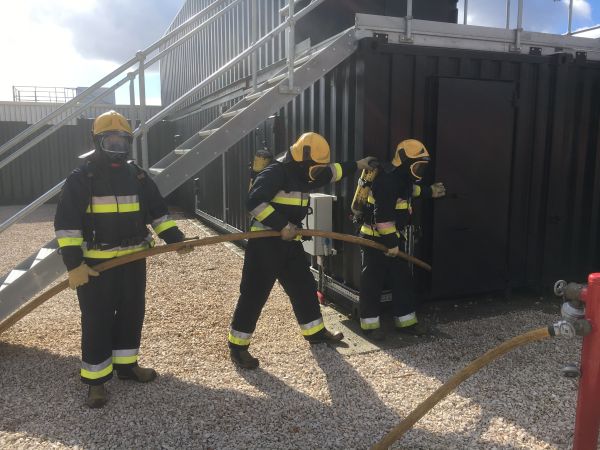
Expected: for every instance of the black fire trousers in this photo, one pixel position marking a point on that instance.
(376, 269)
(267, 260)
(112, 314)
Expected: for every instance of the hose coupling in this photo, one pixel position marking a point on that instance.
(570, 328)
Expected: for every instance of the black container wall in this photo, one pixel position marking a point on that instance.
(515, 138)
(50, 161)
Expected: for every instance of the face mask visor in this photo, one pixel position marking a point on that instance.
(116, 145)
(315, 171)
(417, 169)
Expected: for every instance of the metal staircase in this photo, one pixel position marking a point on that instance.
(267, 97)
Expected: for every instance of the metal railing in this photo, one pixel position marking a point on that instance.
(86, 98)
(38, 94)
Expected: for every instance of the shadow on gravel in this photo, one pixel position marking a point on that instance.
(41, 405)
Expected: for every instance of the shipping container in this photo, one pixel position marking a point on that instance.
(515, 138)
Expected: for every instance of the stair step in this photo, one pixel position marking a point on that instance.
(254, 96)
(230, 114)
(155, 170)
(206, 133)
(277, 78)
(181, 151)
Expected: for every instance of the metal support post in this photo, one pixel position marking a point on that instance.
(224, 187)
(254, 38)
(570, 17)
(519, 30)
(291, 45)
(409, 17)
(507, 14)
(142, 110)
(134, 149)
(587, 420)
(465, 10)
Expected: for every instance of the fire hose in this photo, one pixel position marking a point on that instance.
(40, 299)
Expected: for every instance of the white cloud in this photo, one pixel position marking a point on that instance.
(591, 33)
(581, 8)
(56, 43)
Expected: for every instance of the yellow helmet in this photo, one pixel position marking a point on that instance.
(310, 147)
(415, 154)
(111, 121)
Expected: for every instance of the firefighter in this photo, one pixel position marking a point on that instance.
(386, 213)
(102, 213)
(279, 200)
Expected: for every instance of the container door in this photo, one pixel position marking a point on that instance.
(473, 158)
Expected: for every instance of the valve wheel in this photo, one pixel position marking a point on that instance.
(559, 288)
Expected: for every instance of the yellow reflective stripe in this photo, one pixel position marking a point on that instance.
(370, 323)
(124, 359)
(238, 341)
(67, 242)
(401, 204)
(386, 227)
(265, 213)
(405, 321)
(365, 229)
(165, 226)
(337, 172)
(371, 199)
(416, 190)
(289, 201)
(260, 227)
(309, 329)
(104, 254)
(114, 207)
(95, 375)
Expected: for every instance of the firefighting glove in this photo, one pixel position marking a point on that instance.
(438, 190)
(393, 252)
(81, 275)
(289, 232)
(368, 163)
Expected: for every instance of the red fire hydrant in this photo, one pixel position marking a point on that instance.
(587, 420)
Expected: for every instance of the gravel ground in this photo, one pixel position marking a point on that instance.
(301, 397)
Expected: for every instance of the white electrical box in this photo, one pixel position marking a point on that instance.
(321, 219)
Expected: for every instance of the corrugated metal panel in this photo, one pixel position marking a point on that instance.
(214, 46)
(387, 93)
(31, 113)
(50, 161)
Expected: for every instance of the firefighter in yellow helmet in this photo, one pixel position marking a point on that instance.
(386, 213)
(102, 213)
(279, 200)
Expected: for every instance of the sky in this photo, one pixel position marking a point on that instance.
(73, 43)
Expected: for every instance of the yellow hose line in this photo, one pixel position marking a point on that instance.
(37, 301)
(441, 393)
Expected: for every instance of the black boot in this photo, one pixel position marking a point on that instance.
(137, 373)
(241, 357)
(376, 334)
(97, 396)
(324, 335)
(418, 329)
